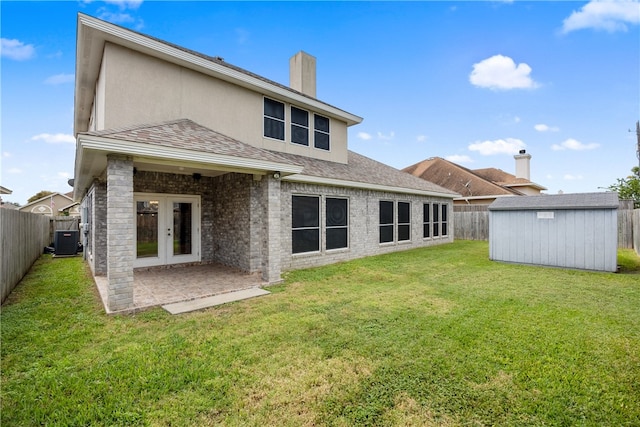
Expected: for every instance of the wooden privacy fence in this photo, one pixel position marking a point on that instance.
(23, 237)
(471, 222)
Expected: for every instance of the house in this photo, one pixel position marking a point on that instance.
(561, 230)
(52, 205)
(478, 186)
(183, 158)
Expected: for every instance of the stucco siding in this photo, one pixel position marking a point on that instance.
(140, 89)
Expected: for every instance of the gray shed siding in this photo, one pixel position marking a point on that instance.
(555, 235)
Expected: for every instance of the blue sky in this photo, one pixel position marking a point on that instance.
(473, 82)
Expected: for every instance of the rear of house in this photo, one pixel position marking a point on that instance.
(182, 158)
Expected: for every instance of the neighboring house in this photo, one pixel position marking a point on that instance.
(184, 158)
(52, 205)
(4, 190)
(478, 186)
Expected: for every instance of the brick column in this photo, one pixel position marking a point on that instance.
(120, 232)
(271, 230)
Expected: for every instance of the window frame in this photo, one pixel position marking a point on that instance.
(386, 225)
(299, 125)
(306, 228)
(426, 221)
(436, 220)
(317, 131)
(403, 224)
(266, 117)
(336, 227)
(444, 220)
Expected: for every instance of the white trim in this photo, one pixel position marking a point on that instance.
(142, 150)
(334, 182)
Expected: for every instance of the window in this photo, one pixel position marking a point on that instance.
(426, 220)
(305, 222)
(436, 221)
(299, 126)
(443, 219)
(404, 221)
(273, 119)
(321, 132)
(337, 231)
(386, 221)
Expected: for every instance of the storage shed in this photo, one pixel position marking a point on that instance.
(565, 230)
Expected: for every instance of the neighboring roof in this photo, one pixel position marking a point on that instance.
(93, 33)
(4, 190)
(506, 179)
(363, 172)
(185, 140)
(604, 200)
(48, 197)
(457, 178)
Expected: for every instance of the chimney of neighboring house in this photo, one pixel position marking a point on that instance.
(522, 165)
(302, 73)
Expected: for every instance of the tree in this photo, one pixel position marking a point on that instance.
(629, 187)
(39, 195)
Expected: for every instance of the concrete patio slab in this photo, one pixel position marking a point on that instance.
(200, 303)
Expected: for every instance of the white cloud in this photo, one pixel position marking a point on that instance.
(64, 174)
(388, 137)
(546, 128)
(605, 15)
(242, 35)
(57, 138)
(6, 154)
(363, 135)
(125, 4)
(499, 146)
(570, 177)
(14, 171)
(501, 73)
(572, 144)
(60, 79)
(421, 138)
(16, 50)
(457, 158)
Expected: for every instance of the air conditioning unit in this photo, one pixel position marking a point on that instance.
(66, 242)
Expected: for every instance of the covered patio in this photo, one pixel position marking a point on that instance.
(158, 286)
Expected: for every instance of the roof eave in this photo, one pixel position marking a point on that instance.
(96, 33)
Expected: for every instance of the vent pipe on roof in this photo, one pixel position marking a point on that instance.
(522, 165)
(302, 73)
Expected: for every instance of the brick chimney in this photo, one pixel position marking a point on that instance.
(302, 73)
(522, 165)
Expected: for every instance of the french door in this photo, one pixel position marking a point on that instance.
(167, 229)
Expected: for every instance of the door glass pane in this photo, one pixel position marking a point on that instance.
(182, 228)
(147, 228)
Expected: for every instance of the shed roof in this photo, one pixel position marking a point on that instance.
(603, 200)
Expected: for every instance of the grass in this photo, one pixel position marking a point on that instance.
(435, 336)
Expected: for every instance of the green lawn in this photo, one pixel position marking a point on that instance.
(435, 336)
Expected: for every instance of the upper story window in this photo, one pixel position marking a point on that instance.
(321, 132)
(273, 119)
(299, 126)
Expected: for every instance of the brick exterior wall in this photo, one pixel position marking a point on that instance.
(246, 220)
(363, 224)
(120, 232)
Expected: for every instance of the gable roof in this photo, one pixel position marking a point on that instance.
(506, 179)
(458, 179)
(93, 33)
(605, 200)
(184, 143)
(364, 172)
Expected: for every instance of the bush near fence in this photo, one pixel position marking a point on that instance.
(24, 235)
(471, 222)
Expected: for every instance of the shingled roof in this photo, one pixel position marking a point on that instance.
(458, 178)
(604, 200)
(360, 171)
